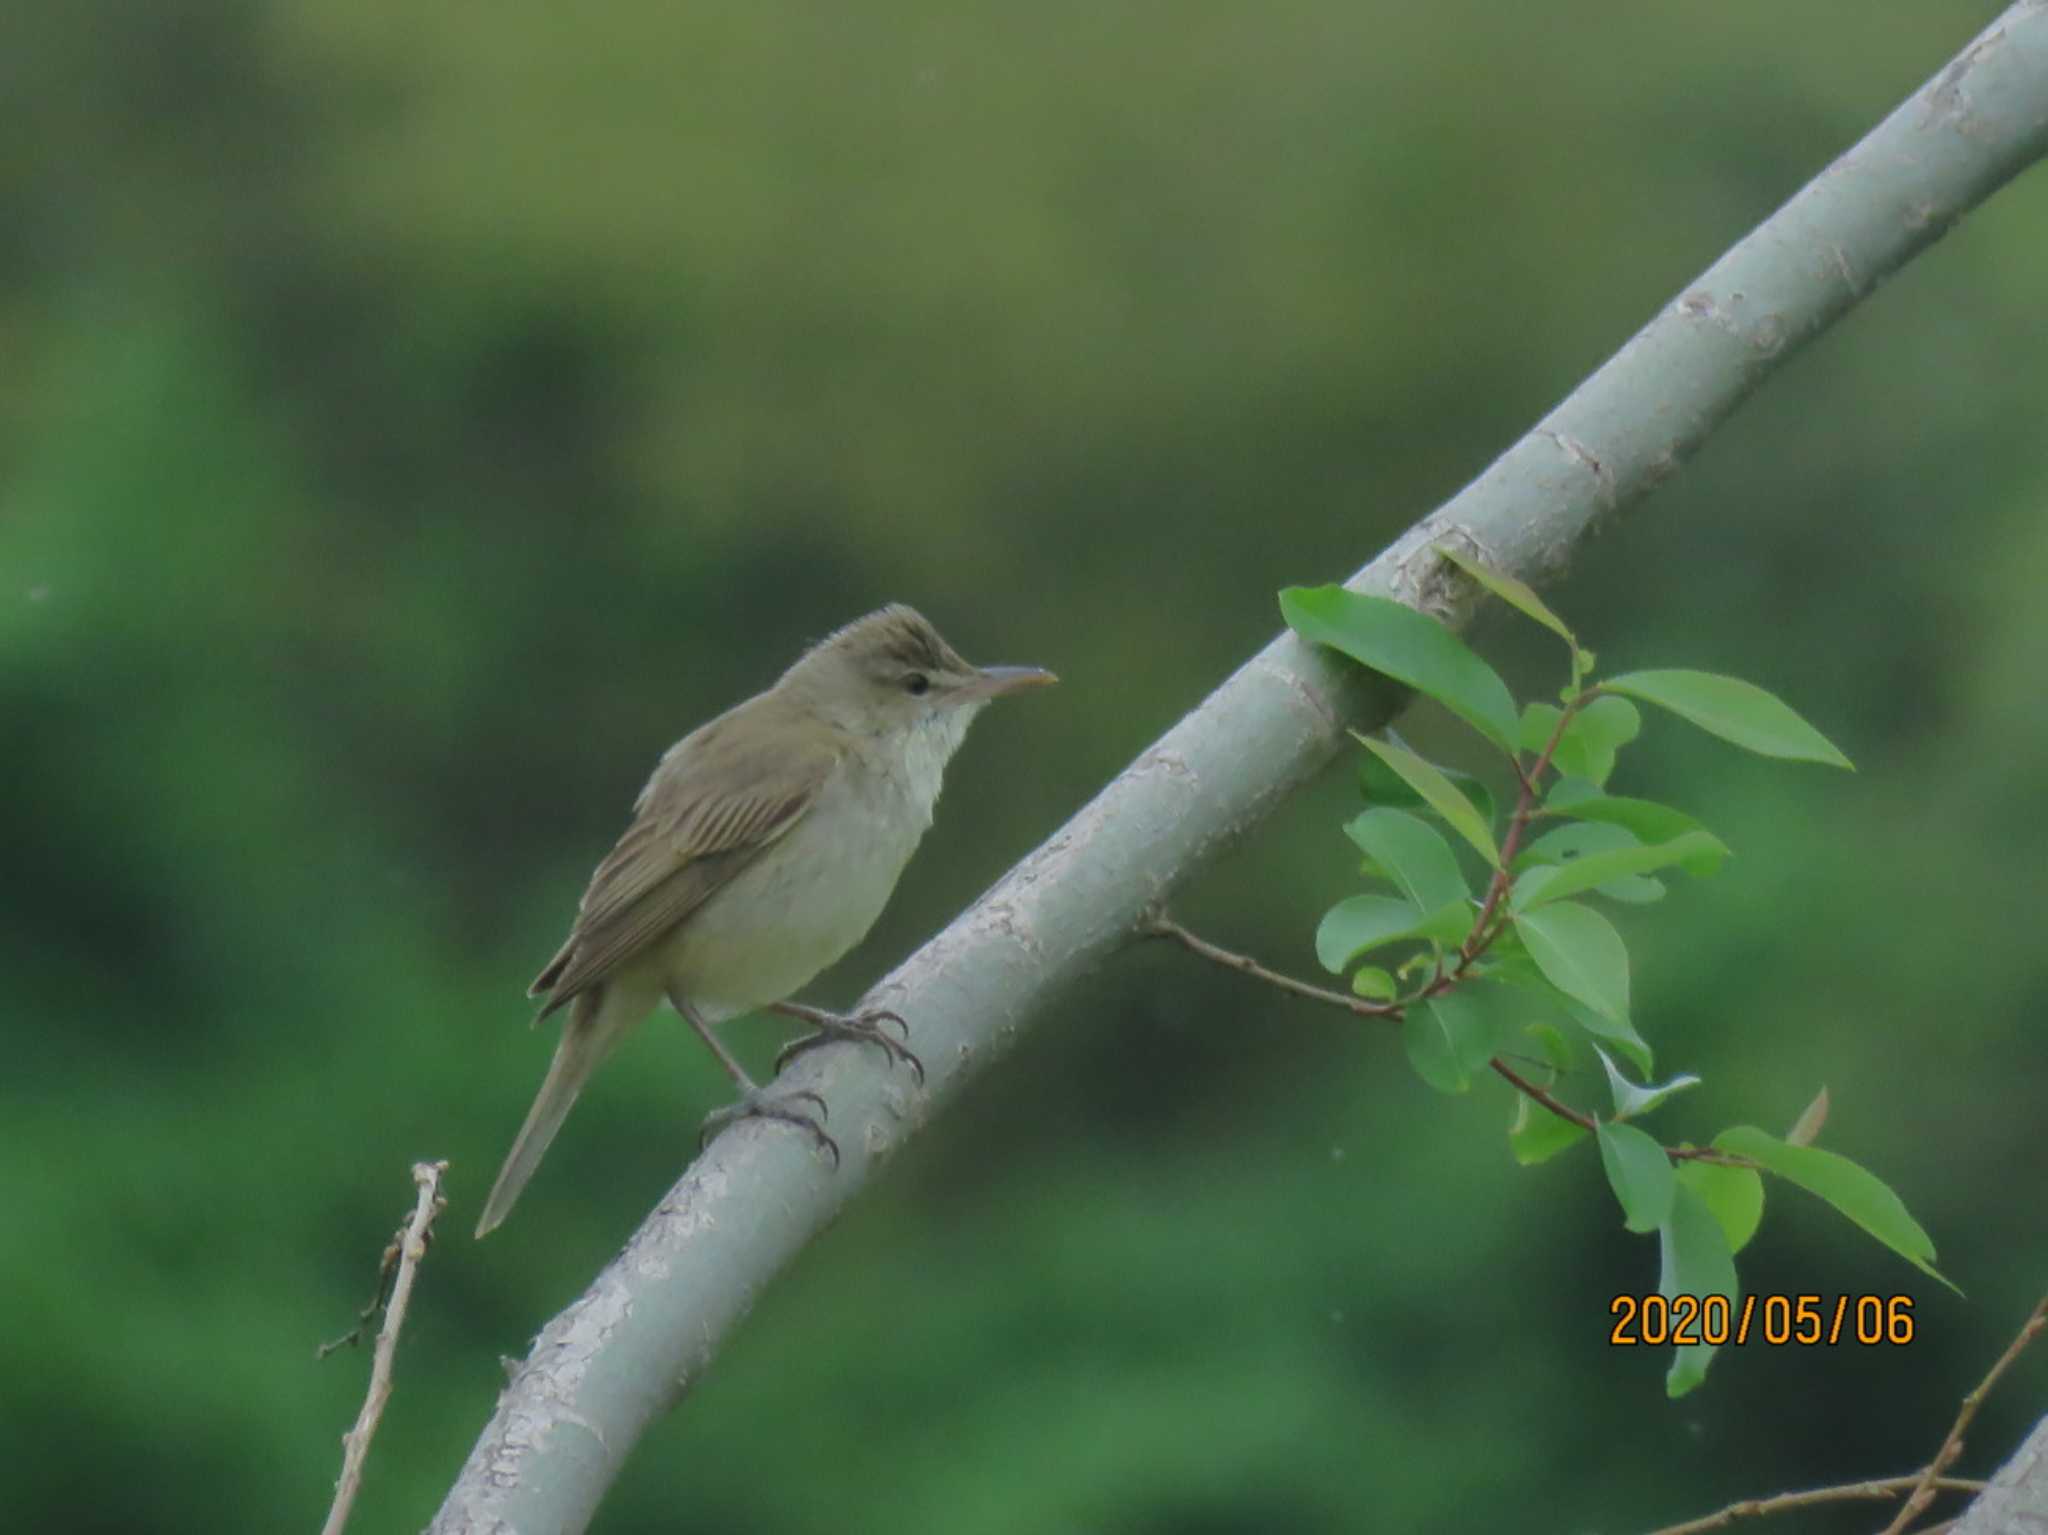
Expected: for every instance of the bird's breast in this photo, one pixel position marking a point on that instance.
(811, 896)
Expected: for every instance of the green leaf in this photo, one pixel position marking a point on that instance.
(1408, 646)
(1554, 882)
(1596, 734)
(1449, 1038)
(1734, 710)
(1374, 984)
(1632, 890)
(1360, 923)
(1695, 1261)
(1639, 1173)
(1573, 840)
(1381, 785)
(1412, 854)
(1509, 952)
(1533, 732)
(1631, 1099)
(1618, 1032)
(1450, 923)
(1521, 972)
(1587, 748)
(1536, 1135)
(1649, 821)
(1577, 838)
(1428, 780)
(1553, 1046)
(1859, 1194)
(1511, 591)
(1579, 953)
(1734, 1194)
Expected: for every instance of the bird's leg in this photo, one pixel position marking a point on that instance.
(753, 1102)
(865, 1028)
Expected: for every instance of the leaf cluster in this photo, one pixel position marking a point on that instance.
(1482, 939)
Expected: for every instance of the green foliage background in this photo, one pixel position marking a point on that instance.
(413, 418)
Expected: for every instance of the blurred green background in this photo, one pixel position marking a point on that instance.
(414, 418)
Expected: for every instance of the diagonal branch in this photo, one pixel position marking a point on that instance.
(635, 1342)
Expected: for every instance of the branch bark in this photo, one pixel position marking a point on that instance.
(2022, 1477)
(2016, 1502)
(633, 1344)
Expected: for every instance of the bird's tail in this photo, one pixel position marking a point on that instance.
(587, 1038)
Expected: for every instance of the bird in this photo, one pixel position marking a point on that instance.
(763, 847)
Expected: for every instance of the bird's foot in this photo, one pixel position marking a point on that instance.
(786, 1108)
(864, 1028)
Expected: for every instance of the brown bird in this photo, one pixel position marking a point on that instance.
(763, 848)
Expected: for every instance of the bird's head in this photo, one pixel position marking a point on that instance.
(892, 674)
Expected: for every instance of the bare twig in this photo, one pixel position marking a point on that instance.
(411, 1246)
(1787, 1502)
(387, 1272)
(1542, 1096)
(1162, 926)
(1952, 1446)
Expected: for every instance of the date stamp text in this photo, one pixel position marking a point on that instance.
(1778, 1320)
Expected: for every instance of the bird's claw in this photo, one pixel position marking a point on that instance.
(881, 1015)
(864, 1028)
(781, 1107)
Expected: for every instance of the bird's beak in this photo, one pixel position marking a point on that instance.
(994, 681)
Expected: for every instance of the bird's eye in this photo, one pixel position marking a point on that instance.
(917, 684)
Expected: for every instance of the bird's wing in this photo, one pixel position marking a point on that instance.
(685, 842)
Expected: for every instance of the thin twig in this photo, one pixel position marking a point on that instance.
(1786, 1502)
(1952, 1446)
(1477, 941)
(411, 1243)
(1162, 926)
(387, 1272)
(1543, 1098)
